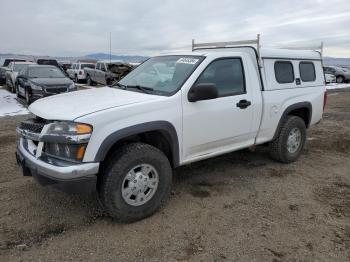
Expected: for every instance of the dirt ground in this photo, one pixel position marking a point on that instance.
(237, 207)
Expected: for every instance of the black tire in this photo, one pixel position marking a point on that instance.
(27, 97)
(17, 93)
(340, 79)
(114, 172)
(89, 81)
(13, 88)
(278, 147)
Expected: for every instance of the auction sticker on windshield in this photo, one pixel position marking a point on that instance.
(187, 60)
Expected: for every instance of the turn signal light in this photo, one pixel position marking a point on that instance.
(81, 152)
(83, 129)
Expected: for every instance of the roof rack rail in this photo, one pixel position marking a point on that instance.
(198, 46)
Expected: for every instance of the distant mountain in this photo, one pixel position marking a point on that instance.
(336, 61)
(127, 58)
(97, 56)
(135, 58)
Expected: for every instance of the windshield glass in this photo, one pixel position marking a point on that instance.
(19, 67)
(164, 75)
(87, 66)
(45, 72)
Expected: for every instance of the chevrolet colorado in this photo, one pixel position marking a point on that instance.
(124, 140)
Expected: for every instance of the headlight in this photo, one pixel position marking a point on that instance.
(67, 140)
(68, 128)
(35, 86)
(66, 152)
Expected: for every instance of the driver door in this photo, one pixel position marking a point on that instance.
(220, 125)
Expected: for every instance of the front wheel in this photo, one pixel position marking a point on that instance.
(28, 100)
(135, 182)
(288, 145)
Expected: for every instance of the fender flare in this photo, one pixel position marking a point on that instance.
(289, 109)
(165, 127)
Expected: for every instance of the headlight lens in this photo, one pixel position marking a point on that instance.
(35, 87)
(67, 140)
(66, 152)
(69, 128)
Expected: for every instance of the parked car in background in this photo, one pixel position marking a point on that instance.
(11, 74)
(42, 61)
(330, 78)
(65, 66)
(4, 68)
(77, 71)
(106, 72)
(37, 81)
(342, 75)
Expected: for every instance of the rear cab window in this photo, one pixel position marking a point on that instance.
(307, 71)
(284, 72)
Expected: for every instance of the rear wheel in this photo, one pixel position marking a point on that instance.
(340, 79)
(290, 141)
(135, 182)
(17, 92)
(89, 81)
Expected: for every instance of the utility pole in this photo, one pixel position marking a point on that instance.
(110, 47)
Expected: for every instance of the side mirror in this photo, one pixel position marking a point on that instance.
(203, 91)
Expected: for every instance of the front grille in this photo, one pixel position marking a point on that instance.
(34, 125)
(56, 90)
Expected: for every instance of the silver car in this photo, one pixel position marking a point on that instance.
(342, 75)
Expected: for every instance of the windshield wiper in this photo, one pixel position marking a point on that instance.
(118, 84)
(144, 89)
(141, 88)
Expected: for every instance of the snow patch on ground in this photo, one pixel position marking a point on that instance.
(338, 86)
(9, 106)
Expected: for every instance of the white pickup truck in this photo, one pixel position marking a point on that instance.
(123, 141)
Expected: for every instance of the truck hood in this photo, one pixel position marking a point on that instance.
(69, 106)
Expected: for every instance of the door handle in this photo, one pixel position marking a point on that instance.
(243, 104)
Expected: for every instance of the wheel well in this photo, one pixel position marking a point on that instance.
(157, 139)
(303, 113)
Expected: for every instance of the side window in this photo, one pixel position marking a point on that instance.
(98, 66)
(103, 67)
(227, 74)
(307, 71)
(284, 72)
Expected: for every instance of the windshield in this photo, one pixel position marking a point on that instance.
(87, 66)
(163, 75)
(45, 72)
(19, 67)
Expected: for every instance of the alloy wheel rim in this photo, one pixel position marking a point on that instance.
(140, 184)
(294, 140)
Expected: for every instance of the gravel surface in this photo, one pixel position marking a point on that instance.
(237, 207)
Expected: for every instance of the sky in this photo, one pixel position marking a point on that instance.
(149, 27)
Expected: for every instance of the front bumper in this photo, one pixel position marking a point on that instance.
(65, 176)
